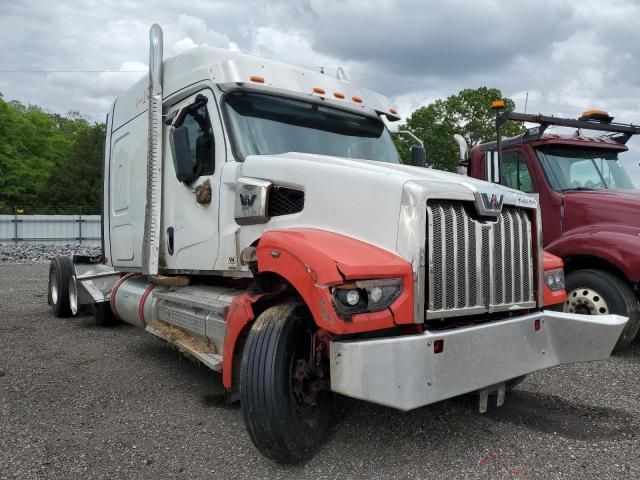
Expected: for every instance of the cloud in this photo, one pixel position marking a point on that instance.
(565, 55)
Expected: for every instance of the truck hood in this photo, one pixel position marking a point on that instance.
(610, 202)
(359, 198)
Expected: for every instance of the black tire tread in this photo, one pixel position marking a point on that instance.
(576, 279)
(263, 411)
(63, 272)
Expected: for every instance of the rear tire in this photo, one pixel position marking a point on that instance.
(60, 273)
(103, 315)
(596, 292)
(282, 425)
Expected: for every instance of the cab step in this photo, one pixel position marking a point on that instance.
(186, 343)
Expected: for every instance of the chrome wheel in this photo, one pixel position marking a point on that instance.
(53, 287)
(585, 301)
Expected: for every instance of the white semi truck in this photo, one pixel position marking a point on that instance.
(258, 217)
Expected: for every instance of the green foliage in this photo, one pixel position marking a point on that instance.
(47, 159)
(468, 113)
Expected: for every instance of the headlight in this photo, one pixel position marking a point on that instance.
(366, 296)
(554, 279)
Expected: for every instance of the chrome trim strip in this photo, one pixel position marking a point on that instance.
(540, 280)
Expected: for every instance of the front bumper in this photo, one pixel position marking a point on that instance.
(405, 372)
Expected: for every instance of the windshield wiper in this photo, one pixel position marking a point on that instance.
(580, 189)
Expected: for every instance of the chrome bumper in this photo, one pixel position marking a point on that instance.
(405, 372)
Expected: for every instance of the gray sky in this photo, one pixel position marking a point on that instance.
(568, 55)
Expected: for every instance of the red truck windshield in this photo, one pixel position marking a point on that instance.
(568, 168)
(267, 124)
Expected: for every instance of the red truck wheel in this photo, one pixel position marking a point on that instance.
(285, 412)
(60, 272)
(596, 292)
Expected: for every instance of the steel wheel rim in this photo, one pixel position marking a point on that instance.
(585, 301)
(53, 287)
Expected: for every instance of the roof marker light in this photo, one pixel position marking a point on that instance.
(318, 90)
(356, 99)
(338, 95)
(497, 104)
(393, 111)
(256, 78)
(596, 115)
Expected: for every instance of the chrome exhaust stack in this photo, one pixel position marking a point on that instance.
(464, 154)
(151, 239)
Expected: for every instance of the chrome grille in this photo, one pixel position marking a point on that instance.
(477, 265)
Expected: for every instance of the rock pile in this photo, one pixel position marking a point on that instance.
(23, 252)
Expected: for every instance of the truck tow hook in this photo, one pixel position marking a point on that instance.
(499, 389)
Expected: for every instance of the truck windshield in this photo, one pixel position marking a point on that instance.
(265, 124)
(568, 168)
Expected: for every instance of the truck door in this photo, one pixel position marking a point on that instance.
(190, 207)
(520, 170)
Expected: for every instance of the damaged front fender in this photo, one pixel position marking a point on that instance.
(313, 261)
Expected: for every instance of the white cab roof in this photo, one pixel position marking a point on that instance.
(231, 69)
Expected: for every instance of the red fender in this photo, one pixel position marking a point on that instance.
(615, 244)
(312, 261)
(239, 315)
(551, 262)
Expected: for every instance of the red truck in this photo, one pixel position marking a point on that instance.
(590, 207)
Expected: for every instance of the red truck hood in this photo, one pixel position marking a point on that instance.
(619, 200)
(601, 206)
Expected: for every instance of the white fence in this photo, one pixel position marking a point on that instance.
(51, 229)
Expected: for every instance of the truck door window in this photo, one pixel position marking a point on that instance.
(515, 172)
(201, 139)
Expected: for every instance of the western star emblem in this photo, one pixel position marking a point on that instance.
(247, 199)
(493, 201)
(489, 203)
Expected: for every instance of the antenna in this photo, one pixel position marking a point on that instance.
(340, 75)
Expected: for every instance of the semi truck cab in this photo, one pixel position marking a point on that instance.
(257, 216)
(590, 206)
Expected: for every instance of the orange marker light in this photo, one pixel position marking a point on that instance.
(356, 99)
(256, 78)
(393, 111)
(497, 104)
(338, 95)
(318, 90)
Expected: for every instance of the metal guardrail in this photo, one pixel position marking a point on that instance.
(50, 228)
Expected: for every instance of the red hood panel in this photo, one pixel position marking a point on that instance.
(602, 206)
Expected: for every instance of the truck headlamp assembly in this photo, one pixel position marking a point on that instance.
(365, 296)
(554, 279)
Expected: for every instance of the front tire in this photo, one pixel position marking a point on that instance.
(60, 272)
(282, 421)
(596, 292)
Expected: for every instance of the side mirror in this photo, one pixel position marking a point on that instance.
(183, 161)
(418, 156)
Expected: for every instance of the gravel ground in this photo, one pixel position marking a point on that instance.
(22, 252)
(79, 401)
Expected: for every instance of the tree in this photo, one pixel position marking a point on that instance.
(76, 180)
(468, 113)
(48, 160)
